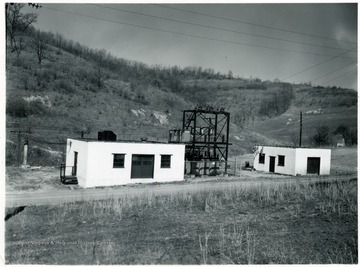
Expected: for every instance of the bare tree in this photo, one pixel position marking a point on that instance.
(17, 26)
(99, 76)
(322, 136)
(39, 44)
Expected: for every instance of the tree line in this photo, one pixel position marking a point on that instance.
(324, 137)
(21, 35)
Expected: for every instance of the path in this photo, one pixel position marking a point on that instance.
(27, 198)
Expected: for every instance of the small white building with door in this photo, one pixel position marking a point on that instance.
(108, 163)
(292, 161)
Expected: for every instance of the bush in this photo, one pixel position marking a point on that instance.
(18, 107)
(140, 98)
(35, 107)
(64, 86)
(350, 137)
(41, 157)
(353, 137)
(11, 154)
(322, 136)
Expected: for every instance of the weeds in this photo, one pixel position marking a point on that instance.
(237, 244)
(204, 248)
(229, 225)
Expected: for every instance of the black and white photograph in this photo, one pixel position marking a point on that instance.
(179, 133)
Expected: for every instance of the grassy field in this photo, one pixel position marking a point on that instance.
(287, 125)
(266, 224)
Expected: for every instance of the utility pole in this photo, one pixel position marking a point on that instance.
(300, 137)
(81, 134)
(19, 143)
(26, 145)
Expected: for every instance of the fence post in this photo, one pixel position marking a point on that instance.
(235, 167)
(240, 169)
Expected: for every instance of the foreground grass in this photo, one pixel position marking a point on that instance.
(277, 224)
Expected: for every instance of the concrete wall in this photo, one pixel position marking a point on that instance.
(290, 158)
(304, 153)
(100, 171)
(295, 159)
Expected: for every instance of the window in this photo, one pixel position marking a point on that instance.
(281, 160)
(119, 160)
(262, 158)
(165, 161)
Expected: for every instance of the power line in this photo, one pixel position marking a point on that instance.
(337, 56)
(45, 142)
(254, 24)
(217, 28)
(18, 125)
(190, 35)
(334, 71)
(338, 77)
(243, 146)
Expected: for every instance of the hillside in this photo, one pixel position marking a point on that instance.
(77, 89)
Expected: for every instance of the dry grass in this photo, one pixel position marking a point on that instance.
(272, 223)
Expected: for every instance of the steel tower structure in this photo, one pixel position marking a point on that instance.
(205, 131)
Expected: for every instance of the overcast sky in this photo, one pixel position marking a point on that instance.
(243, 38)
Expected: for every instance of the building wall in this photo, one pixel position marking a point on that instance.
(304, 153)
(100, 171)
(82, 149)
(295, 159)
(290, 158)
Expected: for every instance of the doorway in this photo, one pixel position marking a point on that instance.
(142, 166)
(272, 164)
(74, 170)
(313, 166)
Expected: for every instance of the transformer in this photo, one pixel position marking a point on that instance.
(205, 131)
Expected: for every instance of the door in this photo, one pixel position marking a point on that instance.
(142, 166)
(74, 171)
(313, 166)
(272, 164)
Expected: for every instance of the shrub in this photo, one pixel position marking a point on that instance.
(41, 157)
(140, 98)
(64, 86)
(322, 136)
(35, 107)
(350, 137)
(25, 81)
(353, 137)
(16, 107)
(11, 154)
(156, 83)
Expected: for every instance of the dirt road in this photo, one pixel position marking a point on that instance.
(26, 198)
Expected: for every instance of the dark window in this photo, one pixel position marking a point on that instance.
(165, 161)
(119, 160)
(281, 160)
(262, 158)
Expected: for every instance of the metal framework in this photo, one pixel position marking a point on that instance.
(205, 132)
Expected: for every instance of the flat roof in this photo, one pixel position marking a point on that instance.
(294, 147)
(124, 141)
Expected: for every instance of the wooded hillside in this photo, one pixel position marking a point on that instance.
(58, 88)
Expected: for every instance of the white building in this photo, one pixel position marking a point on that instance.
(293, 161)
(107, 163)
